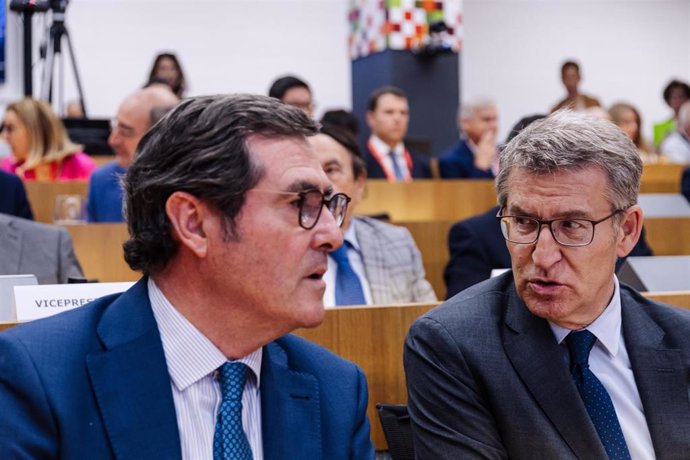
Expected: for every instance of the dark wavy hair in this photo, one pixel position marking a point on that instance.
(200, 147)
(343, 137)
(180, 85)
(377, 93)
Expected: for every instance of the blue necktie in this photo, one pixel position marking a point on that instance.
(348, 288)
(396, 167)
(229, 440)
(594, 395)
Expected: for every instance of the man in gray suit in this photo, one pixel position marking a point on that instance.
(556, 359)
(27, 247)
(383, 261)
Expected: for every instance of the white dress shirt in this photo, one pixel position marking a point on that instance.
(609, 361)
(192, 363)
(354, 255)
(384, 152)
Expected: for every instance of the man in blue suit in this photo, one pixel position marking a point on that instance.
(13, 199)
(556, 358)
(225, 207)
(475, 154)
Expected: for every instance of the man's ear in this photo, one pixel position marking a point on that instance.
(630, 229)
(187, 215)
(370, 119)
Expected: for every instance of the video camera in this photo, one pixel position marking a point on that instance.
(38, 6)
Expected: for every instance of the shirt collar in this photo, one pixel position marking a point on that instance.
(350, 236)
(383, 149)
(606, 328)
(190, 355)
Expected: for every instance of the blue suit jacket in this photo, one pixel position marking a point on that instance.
(93, 383)
(13, 197)
(421, 168)
(458, 163)
(477, 246)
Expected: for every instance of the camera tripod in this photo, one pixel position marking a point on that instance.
(54, 52)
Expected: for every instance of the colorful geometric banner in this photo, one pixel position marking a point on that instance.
(377, 25)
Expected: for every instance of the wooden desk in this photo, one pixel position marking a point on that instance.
(661, 178)
(424, 200)
(42, 195)
(373, 338)
(434, 199)
(455, 199)
(99, 250)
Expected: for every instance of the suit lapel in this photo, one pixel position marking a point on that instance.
(11, 239)
(290, 413)
(543, 366)
(372, 257)
(131, 381)
(661, 380)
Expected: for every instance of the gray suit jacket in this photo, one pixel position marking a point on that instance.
(392, 263)
(486, 379)
(28, 247)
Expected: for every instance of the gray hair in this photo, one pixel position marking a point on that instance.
(200, 147)
(568, 141)
(472, 106)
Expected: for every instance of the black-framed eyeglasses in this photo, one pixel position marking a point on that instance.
(566, 232)
(310, 204)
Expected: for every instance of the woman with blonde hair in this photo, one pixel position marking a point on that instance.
(41, 149)
(628, 119)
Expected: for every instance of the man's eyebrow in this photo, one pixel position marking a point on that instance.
(333, 162)
(304, 186)
(516, 210)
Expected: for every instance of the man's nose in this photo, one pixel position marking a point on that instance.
(546, 250)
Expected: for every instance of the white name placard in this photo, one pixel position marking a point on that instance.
(35, 302)
(498, 271)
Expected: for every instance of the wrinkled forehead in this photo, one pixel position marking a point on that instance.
(288, 163)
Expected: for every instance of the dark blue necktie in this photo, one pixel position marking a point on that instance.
(396, 167)
(348, 288)
(594, 395)
(229, 439)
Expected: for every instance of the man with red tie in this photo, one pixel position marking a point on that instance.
(386, 155)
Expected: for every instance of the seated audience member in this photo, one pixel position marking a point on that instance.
(231, 219)
(574, 99)
(477, 246)
(627, 118)
(167, 69)
(343, 119)
(555, 359)
(41, 149)
(386, 156)
(28, 247)
(13, 199)
(137, 113)
(476, 152)
(676, 146)
(378, 263)
(293, 91)
(675, 94)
